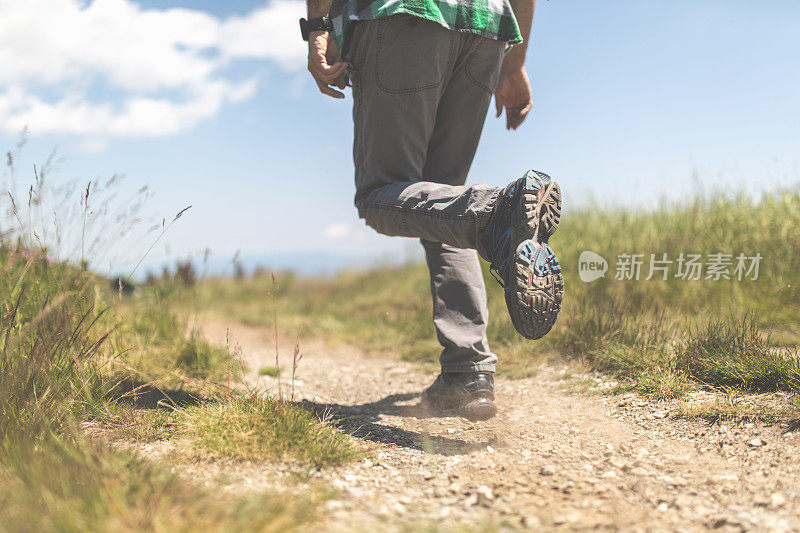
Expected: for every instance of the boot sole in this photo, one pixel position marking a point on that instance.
(476, 410)
(534, 299)
(479, 409)
(542, 206)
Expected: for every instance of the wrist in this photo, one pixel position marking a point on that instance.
(514, 60)
(512, 68)
(314, 26)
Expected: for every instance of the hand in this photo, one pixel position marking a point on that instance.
(514, 93)
(324, 63)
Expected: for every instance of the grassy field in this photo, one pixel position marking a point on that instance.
(81, 363)
(72, 355)
(665, 335)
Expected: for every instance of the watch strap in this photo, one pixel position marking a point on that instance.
(314, 24)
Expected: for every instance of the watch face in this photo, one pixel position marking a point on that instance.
(304, 29)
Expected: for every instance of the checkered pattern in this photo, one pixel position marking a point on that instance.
(490, 18)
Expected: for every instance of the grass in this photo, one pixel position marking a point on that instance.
(149, 319)
(141, 426)
(732, 407)
(372, 307)
(198, 356)
(60, 366)
(73, 351)
(724, 353)
(256, 428)
(51, 347)
(249, 427)
(64, 486)
(736, 353)
(649, 371)
(272, 371)
(666, 336)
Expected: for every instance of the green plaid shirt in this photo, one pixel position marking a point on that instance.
(490, 18)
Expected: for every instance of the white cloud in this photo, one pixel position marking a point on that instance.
(270, 32)
(338, 230)
(158, 71)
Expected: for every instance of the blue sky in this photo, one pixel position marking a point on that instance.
(210, 105)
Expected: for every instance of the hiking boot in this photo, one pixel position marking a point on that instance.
(526, 214)
(466, 394)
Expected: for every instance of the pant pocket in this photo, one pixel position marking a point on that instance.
(413, 54)
(483, 67)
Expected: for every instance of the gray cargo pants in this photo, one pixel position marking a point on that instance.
(421, 93)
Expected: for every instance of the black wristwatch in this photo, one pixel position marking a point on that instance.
(315, 24)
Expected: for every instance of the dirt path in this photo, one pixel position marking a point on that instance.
(551, 459)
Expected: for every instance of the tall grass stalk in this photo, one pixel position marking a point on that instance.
(297, 356)
(164, 228)
(275, 332)
(85, 201)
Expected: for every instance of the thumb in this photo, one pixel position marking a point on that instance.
(498, 106)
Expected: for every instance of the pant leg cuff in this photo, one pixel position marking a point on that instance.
(468, 367)
(481, 244)
(486, 213)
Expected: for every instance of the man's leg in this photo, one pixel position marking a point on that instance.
(424, 124)
(457, 287)
(402, 68)
(459, 308)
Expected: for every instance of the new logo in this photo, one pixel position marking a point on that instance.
(591, 266)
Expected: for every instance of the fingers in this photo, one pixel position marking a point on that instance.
(516, 116)
(514, 94)
(330, 91)
(516, 110)
(339, 82)
(319, 68)
(326, 75)
(324, 64)
(513, 119)
(521, 116)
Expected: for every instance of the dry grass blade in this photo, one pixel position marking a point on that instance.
(158, 238)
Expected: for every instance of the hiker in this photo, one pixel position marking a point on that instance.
(423, 75)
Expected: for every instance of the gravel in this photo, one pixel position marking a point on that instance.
(551, 459)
